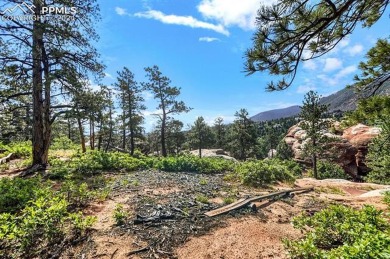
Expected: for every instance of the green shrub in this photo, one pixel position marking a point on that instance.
(378, 157)
(77, 194)
(189, 163)
(16, 193)
(120, 215)
(342, 232)
(42, 222)
(18, 149)
(202, 199)
(386, 198)
(380, 169)
(97, 161)
(327, 170)
(62, 143)
(263, 172)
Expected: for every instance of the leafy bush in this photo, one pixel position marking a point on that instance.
(259, 173)
(378, 157)
(327, 170)
(284, 151)
(386, 198)
(16, 193)
(342, 232)
(18, 149)
(39, 219)
(96, 161)
(62, 143)
(77, 194)
(189, 163)
(120, 215)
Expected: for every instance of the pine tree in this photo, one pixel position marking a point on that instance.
(312, 115)
(166, 95)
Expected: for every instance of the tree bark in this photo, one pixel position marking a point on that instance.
(163, 147)
(314, 158)
(110, 133)
(81, 131)
(38, 136)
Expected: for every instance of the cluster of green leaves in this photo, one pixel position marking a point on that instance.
(190, 163)
(33, 218)
(18, 149)
(120, 215)
(378, 157)
(386, 198)
(62, 143)
(329, 170)
(16, 193)
(369, 111)
(260, 173)
(342, 232)
(96, 161)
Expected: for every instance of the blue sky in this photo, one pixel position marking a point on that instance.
(200, 46)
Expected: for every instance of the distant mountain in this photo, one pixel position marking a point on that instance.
(343, 100)
(277, 114)
(346, 99)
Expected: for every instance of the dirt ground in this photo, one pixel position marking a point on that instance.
(166, 218)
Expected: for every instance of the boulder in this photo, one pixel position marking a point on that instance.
(213, 153)
(348, 147)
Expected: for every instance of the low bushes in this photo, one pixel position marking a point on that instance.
(342, 232)
(35, 219)
(193, 164)
(16, 193)
(96, 161)
(260, 173)
(18, 149)
(328, 170)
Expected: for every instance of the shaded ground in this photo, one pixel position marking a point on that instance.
(166, 217)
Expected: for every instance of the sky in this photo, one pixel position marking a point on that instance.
(200, 46)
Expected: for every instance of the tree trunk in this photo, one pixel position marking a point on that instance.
(69, 129)
(110, 133)
(81, 131)
(100, 138)
(163, 147)
(124, 129)
(314, 158)
(92, 134)
(38, 132)
(131, 126)
(200, 151)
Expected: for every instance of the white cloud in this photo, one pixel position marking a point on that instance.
(346, 71)
(208, 39)
(302, 89)
(182, 20)
(354, 50)
(310, 64)
(147, 95)
(108, 75)
(232, 12)
(344, 42)
(329, 81)
(332, 64)
(120, 11)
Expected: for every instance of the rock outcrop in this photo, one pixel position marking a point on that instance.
(213, 153)
(348, 147)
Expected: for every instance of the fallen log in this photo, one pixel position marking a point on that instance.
(138, 251)
(246, 201)
(6, 159)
